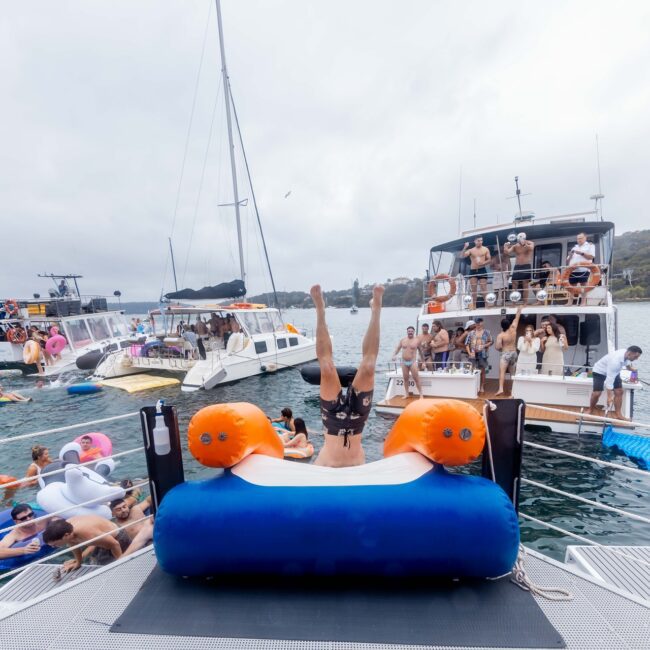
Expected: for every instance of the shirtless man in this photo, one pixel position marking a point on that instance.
(345, 415)
(23, 516)
(479, 260)
(506, 343)
(128, 510)
(426, 360)
(409, 347)
(522, 274)
(83, 528)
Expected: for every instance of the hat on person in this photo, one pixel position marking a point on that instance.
(478, 320)
(469, 324)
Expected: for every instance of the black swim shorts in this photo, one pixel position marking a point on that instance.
(522, 273)
(479, 273)
(599, 382)
(579, 276)
(346, 415)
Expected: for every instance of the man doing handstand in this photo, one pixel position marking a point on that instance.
(345, 415)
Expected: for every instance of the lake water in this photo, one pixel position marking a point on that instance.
(53, 407)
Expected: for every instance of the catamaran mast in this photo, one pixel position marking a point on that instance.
(226, 93)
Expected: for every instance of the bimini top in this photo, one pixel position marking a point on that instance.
(234, 289)
(533, 231)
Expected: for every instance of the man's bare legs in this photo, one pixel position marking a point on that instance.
(364, 380)
(330, 384)
(483, 286)
(473, 282)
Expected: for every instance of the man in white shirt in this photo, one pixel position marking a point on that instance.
(606, 374)
(582, 253)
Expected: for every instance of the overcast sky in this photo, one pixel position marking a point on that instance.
(365, 111)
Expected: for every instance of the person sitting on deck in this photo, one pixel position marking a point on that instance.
(506, 345)
(409, 347)
(22, 513)
(606, 374)
(83, 528)
(344, 416)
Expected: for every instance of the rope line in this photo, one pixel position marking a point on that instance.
(604, 463)
(521, 579)
(56, 513)
(596, 504)
(71, 548)
(81, 425)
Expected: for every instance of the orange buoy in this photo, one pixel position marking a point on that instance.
(449, 432)
(433, 288)
(222, 435)
(5, 478)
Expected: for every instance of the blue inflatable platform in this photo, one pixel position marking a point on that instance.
(633, 446)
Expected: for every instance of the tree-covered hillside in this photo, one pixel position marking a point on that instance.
(632, 251)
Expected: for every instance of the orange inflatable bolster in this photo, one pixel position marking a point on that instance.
(449, 432)
(222, 435)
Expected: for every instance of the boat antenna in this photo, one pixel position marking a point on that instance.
(460, 190)
(600, 196)
(257, 214)
(518, 195)
(227, 97)
(171, 251)
(474, 213)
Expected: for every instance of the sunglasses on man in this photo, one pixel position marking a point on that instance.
(29, 515)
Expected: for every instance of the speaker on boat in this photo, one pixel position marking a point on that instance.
(590, 330)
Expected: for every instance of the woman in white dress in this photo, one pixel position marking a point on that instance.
(528, 346)
(553, 346)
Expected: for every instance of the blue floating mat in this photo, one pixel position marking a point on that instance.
(633, 446)
(83, 389)
(400, 516)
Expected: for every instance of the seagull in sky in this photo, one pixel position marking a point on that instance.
(287, 194)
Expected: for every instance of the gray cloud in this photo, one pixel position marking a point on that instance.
(365, 111)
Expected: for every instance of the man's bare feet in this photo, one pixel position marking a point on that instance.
(377, 296)
(316, 294)
(421, 396)
(619, 416)
(594, 412)
(499, 392)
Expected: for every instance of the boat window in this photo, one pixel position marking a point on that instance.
(548, 253)
(78, 333)
(98, 329)
(260, 346)
(249, 320)
(571, 326)
(276, 320)
(265, 323)
(117, 326)
(282, 343)
(293, 341)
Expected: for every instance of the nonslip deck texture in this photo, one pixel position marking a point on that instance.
(493, 614)
(532, 412)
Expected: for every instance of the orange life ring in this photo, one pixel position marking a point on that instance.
(16, 335)
(433, 287)
(594, 278)
(11, 307)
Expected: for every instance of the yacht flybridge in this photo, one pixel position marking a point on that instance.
(64, 332)
(587, 314)
(212, 344)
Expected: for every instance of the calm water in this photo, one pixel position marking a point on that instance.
(53, 407)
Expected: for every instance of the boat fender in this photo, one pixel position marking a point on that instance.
(90, 360)
(311, 374)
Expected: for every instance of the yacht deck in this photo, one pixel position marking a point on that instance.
(79, 615)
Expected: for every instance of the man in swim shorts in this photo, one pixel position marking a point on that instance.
(479, 260)
(409, 347)
(506, 343)
(344, 416)
(522, 274)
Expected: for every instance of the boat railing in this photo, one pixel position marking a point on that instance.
(525, 515)
(549, 286)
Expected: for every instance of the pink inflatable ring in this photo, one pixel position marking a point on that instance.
(55, 344)
(101, 446)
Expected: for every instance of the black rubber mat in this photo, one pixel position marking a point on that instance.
(469, 613)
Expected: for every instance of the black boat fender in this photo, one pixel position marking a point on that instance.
(311, 374)
(90, 360)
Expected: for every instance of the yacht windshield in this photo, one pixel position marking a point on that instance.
(250, 322)
(99, 329)
(117, 326)
(78, 334)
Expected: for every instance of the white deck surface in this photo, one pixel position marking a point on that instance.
(79, 615)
